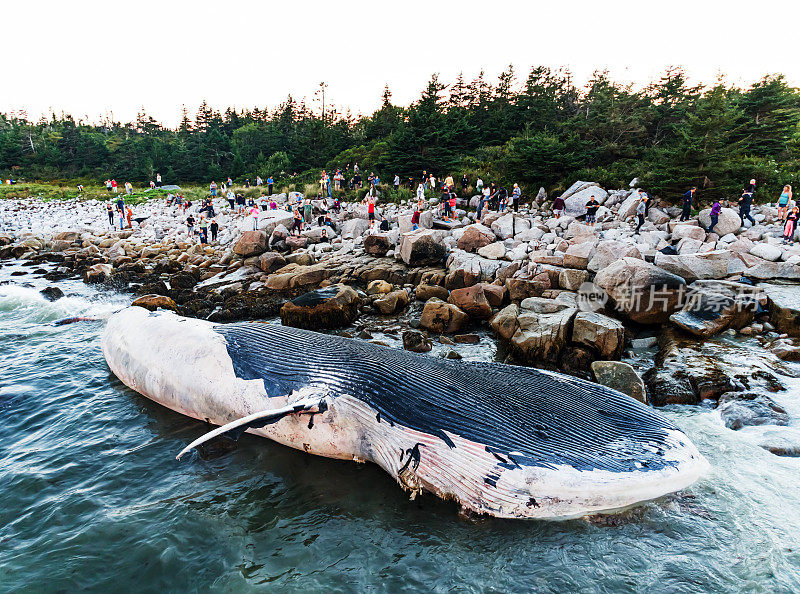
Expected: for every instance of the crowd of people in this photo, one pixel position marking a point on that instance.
(491, 197)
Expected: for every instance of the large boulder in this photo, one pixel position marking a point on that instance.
(251, 243)
(578, 255)
(729, 221)
(493, 251)
(354, 228)
(271, 261)
(609, 251)
(509, 225)
(621, 377)
(685, 373)
(377, 244)
(504, 323)
(767, 251)
(686, 230)
(717, 264)
(520, 288)
(422, 247)
(424, 292)
(438, 316)
(269, 220)
(627, 208)
(392, 302)
(154, 302)
(575, 204)
(644, 293)
(97, 273)
(543, 328)
(475, 237)
(472, 301)
(714, 306)
(784, 307)
(743, 409)
(329, 307)
(602, 333)
(425, 221)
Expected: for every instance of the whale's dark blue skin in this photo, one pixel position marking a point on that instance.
(509, 441)
(524, 416)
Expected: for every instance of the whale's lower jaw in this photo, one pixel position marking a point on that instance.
(184, 364)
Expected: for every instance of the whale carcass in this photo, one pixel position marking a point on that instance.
(508, 441)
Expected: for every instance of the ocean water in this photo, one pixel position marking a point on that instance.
(93, 498)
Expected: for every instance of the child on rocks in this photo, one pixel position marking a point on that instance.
(791, 225)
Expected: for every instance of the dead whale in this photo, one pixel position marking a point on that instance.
(502, 440)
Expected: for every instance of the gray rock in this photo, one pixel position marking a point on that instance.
(621, 377)
(742, 409)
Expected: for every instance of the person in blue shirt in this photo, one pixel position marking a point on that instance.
(686, 213)
(269, 185)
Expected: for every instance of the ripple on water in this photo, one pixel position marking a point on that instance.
(93, 497)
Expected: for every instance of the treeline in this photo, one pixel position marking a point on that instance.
(544, 131)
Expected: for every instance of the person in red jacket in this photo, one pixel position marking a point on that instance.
(415, 220)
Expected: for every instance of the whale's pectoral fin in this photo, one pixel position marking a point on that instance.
(257, 420)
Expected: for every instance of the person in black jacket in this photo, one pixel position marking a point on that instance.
(687, 204)
(745, 202)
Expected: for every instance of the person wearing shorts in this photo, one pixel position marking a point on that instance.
(783, 202)
(591, 211)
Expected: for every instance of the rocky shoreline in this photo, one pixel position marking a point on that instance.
(555, 292)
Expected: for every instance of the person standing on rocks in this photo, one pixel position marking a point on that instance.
(270, 182)
(479, 186)
(783, 202)
(190, 226)
(308, 212)
(641, 209)
(558, 206)
(452, 201)
(213, 188)
(790, 225)
(231, 198)
(415, 220)
(464, 184)
(128, 216)
(686, 213)
(445, 201)
(110, 212)
(716, 209)
(254, 212)
(128, 188)
(591, 211)
(515, 196)
(297, 223)
(420, 195)
(203, 230)
(370, 201)
(158, 180)
(214, 227)
(745, 202)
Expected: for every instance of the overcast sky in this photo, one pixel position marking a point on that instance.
(89, 58)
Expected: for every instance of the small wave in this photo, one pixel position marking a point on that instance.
(26, 304)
